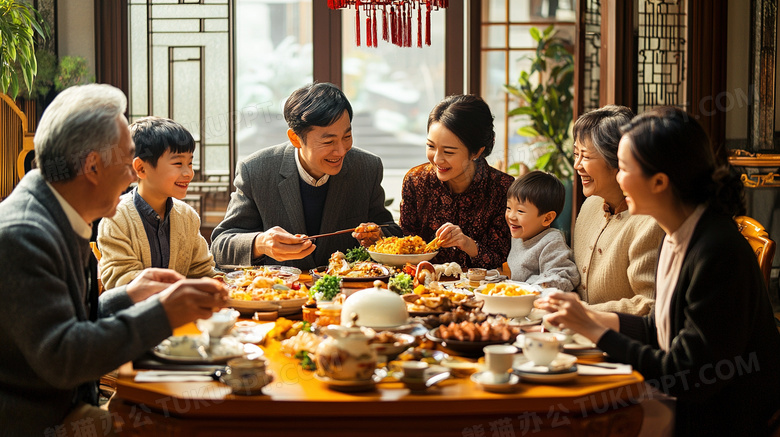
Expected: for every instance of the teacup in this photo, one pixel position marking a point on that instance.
(498, 359)
(246, 376)
(219, 324)
(414, 369)
(477, 274)
(542, 347)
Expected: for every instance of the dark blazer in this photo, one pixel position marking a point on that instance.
(723, 364)
(268, 194)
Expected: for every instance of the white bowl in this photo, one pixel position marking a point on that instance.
(375, 308)
(510, 306)
(400, 260)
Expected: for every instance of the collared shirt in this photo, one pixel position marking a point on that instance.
(309, 179)
(158, 229)
(77, 222)
(670, 262)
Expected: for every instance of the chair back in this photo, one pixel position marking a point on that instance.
(759, 240)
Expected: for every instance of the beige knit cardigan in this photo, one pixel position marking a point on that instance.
(616, 258)
(125, 250)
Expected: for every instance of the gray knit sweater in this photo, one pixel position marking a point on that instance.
(545, 260)
(50, 349)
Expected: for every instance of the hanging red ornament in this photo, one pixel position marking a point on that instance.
(357, 22)
(373, 26)
(385, 36)
(398, 28)
(369, 34)
(392, 25)
(428, 23)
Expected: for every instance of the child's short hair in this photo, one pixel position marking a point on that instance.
(542, 189)
(154, 135)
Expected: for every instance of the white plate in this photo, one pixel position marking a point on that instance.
(284, 307)
(188, 356)
(402, 259)
(347, 385)
(543, 374)
(506, 387)
(578, 345)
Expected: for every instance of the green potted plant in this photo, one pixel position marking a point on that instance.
(19, 23)
(548, 105)
(72, 71)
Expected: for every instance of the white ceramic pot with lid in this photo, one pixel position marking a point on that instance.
(375, 307)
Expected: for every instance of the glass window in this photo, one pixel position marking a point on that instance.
(273, 58)
(505, 44)
(392, 91)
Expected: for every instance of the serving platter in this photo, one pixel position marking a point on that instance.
(189, 355)
(347, 385)
(465, 348)
(398, 260)
(283, 307)
(320, 271)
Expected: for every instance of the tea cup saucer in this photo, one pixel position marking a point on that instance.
(486, 381)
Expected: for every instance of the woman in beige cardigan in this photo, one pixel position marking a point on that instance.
(615, 251)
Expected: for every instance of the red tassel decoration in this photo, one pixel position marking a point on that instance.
(357, 22)
(373, 27)
(384, 25)
(428, 23)
(419, 26)
(409, 28)
(369, 34)
(392, 25)
(402, 27)
(404, 33)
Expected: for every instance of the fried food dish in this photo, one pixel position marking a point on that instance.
(457, 315)
(400, 246)
(254, 285)
(485, 331)
(339, 266)
(506, 289)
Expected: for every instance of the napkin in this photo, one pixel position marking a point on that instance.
(602, 369)
(172, 376)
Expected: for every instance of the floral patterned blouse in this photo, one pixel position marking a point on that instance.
(427, 203)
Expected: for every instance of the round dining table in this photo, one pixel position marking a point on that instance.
(298, 404)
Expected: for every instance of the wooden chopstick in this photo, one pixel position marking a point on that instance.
(345, 231)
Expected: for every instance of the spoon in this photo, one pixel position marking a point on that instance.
(435, 379)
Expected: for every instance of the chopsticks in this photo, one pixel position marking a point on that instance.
(602, 365)
(345, 231)
(433, 245)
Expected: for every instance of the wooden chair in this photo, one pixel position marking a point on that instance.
(759, 240)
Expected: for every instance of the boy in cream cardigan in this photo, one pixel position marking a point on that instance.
(152, 226)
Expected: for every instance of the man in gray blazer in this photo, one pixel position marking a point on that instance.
(56, 335)
(316, 183)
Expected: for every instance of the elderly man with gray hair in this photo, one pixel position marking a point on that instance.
(56, 335)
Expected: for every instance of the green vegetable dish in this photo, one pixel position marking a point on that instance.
(401, 283)
(326, 288)
(357, 254)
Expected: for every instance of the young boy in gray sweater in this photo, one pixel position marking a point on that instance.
(539, 253)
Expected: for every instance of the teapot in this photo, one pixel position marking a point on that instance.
(345, 353)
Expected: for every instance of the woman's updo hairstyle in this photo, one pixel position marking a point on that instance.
(668, 140)
(469, 118)
(602, 127)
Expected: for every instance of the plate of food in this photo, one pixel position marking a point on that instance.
(398, 251)
(359, 272)
(469, 338)
(266, 288)
(195, 349)
(244, 275)
(434, 299)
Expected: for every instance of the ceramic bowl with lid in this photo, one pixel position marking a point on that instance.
(375, 308)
